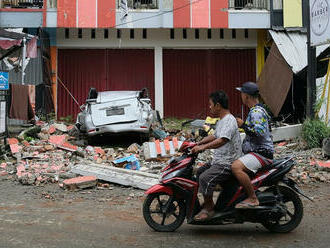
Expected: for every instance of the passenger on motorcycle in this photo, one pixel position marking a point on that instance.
(258, 144)
(226, 143)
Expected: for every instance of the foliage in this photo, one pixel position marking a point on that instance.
(174, 123)
(67, 119)
(314, 131)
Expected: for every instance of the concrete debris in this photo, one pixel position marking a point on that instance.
(133, 148)
(61, 127)
(121, 176)
(54, 156)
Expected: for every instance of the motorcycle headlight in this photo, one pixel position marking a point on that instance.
(171, 175)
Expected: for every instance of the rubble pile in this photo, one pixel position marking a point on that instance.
(311, 165)
(48, 153)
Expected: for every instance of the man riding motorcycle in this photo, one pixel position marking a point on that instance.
(226, 142)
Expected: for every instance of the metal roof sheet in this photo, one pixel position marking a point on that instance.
(293, 47)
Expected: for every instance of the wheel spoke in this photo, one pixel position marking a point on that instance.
(175, 215)
(155, 211)
(163, 220)
(290, 214)
(159, 201)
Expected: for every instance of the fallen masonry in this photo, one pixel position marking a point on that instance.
(48, 154)
(80, 182)
(137, 179)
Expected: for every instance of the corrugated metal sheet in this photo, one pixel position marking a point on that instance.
(112, 69)
(191, 75)
(293, 48)
(33, 72)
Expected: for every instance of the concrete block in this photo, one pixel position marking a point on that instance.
(137, 179)
(284, 133)
(152, 150)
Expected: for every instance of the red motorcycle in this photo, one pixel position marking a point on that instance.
(175, 197)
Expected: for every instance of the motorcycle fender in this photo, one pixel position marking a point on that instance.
(159, 188)
(293, 185)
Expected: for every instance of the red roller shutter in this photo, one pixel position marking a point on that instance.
(79, 70)
(112, 69)
(190, 75)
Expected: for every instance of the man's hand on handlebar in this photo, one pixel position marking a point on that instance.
(197, 149)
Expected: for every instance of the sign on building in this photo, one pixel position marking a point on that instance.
(4, 80)
(319, 22)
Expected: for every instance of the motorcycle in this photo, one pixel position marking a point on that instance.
(175, 198)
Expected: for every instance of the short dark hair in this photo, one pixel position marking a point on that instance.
(219, 97)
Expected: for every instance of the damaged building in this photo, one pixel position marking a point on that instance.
(180, 51)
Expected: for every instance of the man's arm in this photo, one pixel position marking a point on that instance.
(216, 143)
(256, 126)
(206, 139)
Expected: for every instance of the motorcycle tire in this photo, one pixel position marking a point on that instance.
(288, 195)
(163, 227)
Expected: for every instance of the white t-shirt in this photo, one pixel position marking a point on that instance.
(232, 150)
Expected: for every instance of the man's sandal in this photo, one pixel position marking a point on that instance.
(204, 215)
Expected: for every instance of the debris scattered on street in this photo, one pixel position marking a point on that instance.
(47, 153)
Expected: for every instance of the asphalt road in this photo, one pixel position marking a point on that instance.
(51, 217)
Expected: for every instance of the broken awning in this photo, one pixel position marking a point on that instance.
(275, 80)
(293, 48)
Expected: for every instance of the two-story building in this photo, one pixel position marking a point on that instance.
(180, 49)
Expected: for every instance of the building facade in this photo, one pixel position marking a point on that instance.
(180, 49)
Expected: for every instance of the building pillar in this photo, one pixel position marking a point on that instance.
(53, 56)
(159, 96)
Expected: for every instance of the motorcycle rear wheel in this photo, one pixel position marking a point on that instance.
(163, 213)
(295, 214)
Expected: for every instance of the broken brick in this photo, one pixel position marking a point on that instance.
(99, 150)
(133, 148)
(282, 143)
(12, 141)
(69, 147)
(15, 148)
(70, 127)
(3, 165)
(3, 173)
(57, 139)
(51, 130)
(80, 182)
(26, 143)
(48, 147)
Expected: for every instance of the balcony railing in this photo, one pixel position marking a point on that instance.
(34, 4)
(249, 4)
(141, 4)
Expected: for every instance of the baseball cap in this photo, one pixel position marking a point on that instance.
(249, 88)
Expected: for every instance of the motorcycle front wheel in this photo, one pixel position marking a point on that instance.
(164, 213)
(292, 207)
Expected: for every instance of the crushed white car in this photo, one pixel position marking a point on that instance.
(116, 112)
